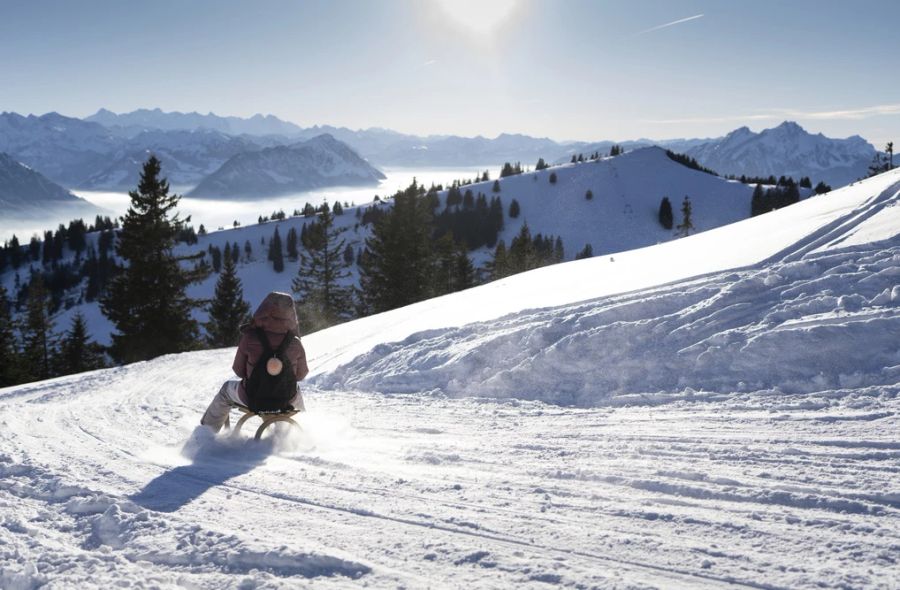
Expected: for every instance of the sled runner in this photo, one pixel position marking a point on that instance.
(268, 417)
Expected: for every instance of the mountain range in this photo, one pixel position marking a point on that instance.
(785, 150)
(104, 151)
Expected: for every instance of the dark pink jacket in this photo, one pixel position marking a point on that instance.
(277, 316)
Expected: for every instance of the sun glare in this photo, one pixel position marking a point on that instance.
(478, 16)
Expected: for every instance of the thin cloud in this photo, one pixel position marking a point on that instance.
(840, 115)
(671, 24)
(424, 65)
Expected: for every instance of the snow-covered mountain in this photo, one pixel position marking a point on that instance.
(319, 162)
(187, 156)
(27, 193)
(141, 120)
(85, 154)
(787, 150)
(64, 149)
(715, 411)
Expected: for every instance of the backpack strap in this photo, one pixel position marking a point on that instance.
(264, 340)
(285, 342)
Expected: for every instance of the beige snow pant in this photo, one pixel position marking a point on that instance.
(217, 413)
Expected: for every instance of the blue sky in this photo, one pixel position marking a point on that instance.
(567, 69)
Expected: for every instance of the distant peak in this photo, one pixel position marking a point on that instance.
(324, 137)
(741, 131)
(790, 127)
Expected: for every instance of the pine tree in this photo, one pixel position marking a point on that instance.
(396, 267)
(322, 298)
(276, 255)
(445, 265)
(9, 355)
(77, 353)
(541, 164)
(514, 209)
(496, 187)
(34, 249)
(15, 252)
(292, 251)
(465, 270)
(216, 256)
(758, 201)
(586, 252)
(879, 164)
(686, 226)
(499, 264)
(666, 218)
(228, 310)
(36, 332)
(147, 301)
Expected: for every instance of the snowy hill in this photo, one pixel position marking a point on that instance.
(712, 412)
(27, 193)
(319, 162)
(787, 150)
(622, 212)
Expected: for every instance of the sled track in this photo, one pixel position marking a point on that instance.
(568, 496)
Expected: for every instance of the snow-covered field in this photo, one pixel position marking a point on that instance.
(716, 411)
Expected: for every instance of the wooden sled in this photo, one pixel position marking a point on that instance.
(268, 418)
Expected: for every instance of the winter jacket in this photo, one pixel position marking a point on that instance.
(277, 316)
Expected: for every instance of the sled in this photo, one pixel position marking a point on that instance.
(268, 417)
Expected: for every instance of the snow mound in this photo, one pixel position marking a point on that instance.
(827, 321)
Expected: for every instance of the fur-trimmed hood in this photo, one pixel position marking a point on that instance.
(276, 314)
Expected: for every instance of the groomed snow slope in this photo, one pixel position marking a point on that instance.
(685, 467)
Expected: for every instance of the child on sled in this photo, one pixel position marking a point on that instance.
(276, 321)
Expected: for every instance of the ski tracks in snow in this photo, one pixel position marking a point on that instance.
(426, 491)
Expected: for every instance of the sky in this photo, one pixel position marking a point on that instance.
(564, 69)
